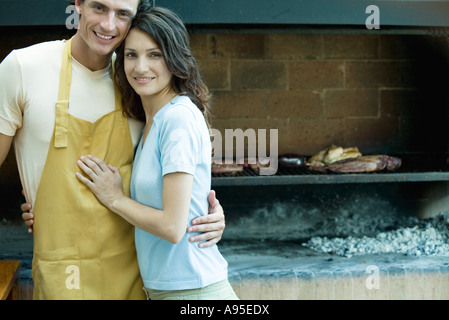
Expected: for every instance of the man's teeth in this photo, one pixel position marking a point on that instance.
(103, 37)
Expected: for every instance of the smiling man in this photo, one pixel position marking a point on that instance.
(57, 102)
(103, 26)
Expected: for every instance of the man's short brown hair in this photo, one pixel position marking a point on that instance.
(147, 2)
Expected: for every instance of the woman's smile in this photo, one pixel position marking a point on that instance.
(143, 80)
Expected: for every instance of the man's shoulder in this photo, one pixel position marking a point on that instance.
(44, 49)
(37, 57)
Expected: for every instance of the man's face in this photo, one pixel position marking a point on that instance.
(105, 23)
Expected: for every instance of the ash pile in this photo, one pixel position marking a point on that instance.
(429, 237)
(369, 225)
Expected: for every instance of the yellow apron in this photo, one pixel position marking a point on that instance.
(81, 249)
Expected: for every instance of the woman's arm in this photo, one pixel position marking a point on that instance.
(170, 223)
(210, 227)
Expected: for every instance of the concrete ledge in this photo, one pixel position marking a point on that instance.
(324, 277)
(312, 278)
(413, 286)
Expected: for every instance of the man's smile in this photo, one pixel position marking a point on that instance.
(102, 36)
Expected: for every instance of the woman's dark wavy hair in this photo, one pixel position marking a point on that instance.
(169, 32)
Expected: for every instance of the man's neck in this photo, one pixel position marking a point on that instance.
(82, 53)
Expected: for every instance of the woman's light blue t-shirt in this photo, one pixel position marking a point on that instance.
(178, 141)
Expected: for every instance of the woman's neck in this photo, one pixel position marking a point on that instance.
(152, 105)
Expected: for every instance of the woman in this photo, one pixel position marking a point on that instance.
(161, 85)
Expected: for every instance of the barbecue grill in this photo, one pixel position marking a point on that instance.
(414, 168)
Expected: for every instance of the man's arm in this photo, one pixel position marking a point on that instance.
(211, 226)
(5, 145)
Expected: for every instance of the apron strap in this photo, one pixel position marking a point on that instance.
(62, 104)
(118, 96)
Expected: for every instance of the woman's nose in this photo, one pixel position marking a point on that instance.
(141, 65)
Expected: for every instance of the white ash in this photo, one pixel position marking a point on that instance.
(364, 225)
(429, 238)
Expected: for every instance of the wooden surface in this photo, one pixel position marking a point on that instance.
(9, 280)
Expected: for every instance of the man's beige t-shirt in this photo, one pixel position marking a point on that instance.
(29, 82)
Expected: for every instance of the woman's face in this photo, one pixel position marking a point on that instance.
(145, 66)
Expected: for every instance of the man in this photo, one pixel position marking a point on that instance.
(57, 102)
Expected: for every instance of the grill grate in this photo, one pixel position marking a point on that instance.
(414, 169)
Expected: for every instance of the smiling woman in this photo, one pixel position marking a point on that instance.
(176, 55)
(171, 174)
(146, 70)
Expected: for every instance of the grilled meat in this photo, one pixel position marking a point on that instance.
(227, 168)
(332, 154)
(368, 163)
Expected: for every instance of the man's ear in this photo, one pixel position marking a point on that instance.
(78, 6)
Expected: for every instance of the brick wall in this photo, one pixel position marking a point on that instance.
(382, 93)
